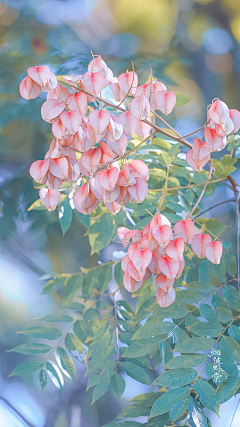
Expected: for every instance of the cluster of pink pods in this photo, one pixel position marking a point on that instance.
(159, 251)
(221, 121)
(78, 126)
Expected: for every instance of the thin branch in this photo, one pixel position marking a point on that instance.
(238, 236)
(129, 88)
(214, 206)
(133, 149)
(186, 186)
(203, 190)
(167, 124)
(195, 131)
(234, 413)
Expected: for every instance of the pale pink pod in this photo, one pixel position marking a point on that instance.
(61, 93)
(97, 65)
(114, 129)
(130, 284)
(147, 241)
(138, 191)
(118, 94)
(137, 275)
(143, 90)
(96, 188)
(124, 262)
(125, 234)
(158, 220)
(165, 101)
(109, 77)
(51, 109)
(140, 107)
(137, 237)
(91, 158)
(93, 82)
(213, 251)
(52, 182)
(141, 258)
(199, 243)
(125, 178)
(148, 274)
(82, 141)
(82, 169)
(139, 169)
(71, 120)
(153, 266)
(181, 268)
(161, 251)
(218, 112)
(224, 128)
(59, 167)
(99, 120)
(86, 211)
(146, 229)
(111, 196)
(162, 234)
(154, 89)
(131, 249)
(80, 196)
(168, 266)
(175, 249)
(120, 145)
(213, 141)
(143, 129)
(51, 84)
(107, 154)
(164, 282)
(113, 207)
(164, 299)
(184, 229)
(78, 102)
(196, 164)
(67, 139)
(128, 80)
(235, 117)
(124, 196)
(40, 74)
(129, 122)
(29, 89)
(58, 129)
(108, 178)
(50, 197)
(93, 135)
(39, 169)
(200, 149)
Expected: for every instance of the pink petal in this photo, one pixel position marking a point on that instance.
(50, 198)
(138, 191)
(108, 178)
(153, 266)
(198, 244)
(97, 65)
(93, 82)
(72, 120)
(184, 229)
(129, 122)
(196, 164)
(143, 129)
(140, 169)
(148, 241)
(133, 247)
(99, 120)
(165, 102)
(124, 262)
(40, 74)
(200, 149)
(120, 145)
(218, 112)
(113, 207)
(59, 167)
(91, 158)
(125, 234)
(111, 196)
(140, 107)
(61, 93)
(51, 109)
(141, 258)
(213, 141)
(137, 236)
(118, 94)
(125, 178)
(82, 141)
(175, 249)
(137, 275)
(107, 154)
(58, 128)
(162, 234)
(168, 266)
(235, 117)
(127, 81)
(130, 284)
(164, 282)
(164, 299)
(29, 89)
(78, 103)
(114, 129)
(213, 251)
(39, 169)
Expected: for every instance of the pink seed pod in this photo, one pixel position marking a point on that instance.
(184, 229)
(213, 251)
(164, 299)
(199, 243)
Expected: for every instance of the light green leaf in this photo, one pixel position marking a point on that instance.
(118, 384)
(118, 273)
(43, 332)
(231, 348)
(209, 314)
(212, 225)
(186, 361)
(230, 263)
(55, 374)
(207, 394)
(152, 329)
(37, 206)
(189, 296)
(65, 363)
(134, 411)
(178, 409)
(72, 286)
(225, 315)
(27, 368)
(75, 346)
(135, 372)
(65, 215)
(206, 329)
(56, 318)
(53, 285)
(123, 305)
(165, 402)
(100, 389)
(196, 344)
(104, 277)
(203, 287)
(43, 378)
(165, 352)
(176, 377)
(182, 99)
(123, 423)
(142, 347)
(31, 348)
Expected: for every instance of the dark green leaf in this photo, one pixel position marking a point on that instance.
(234, 332)
(123, 423)
(196, 344)
(165, 352)
(206, 329)
(152, 329)
(203, 287)
(231, 264)
(189, 296)
(27, 368)
(227, 389)
(84, 219)
(65, 215)
(207, 394)
(232, 297)
(43, 378)
(231, 348)
(100, 389)
(43, 332)
(176, 377)
(165, 402)
(104, 277)
(134, 411)
(217, 374)
(53, 285)
(198, 415)
(31, 348)
(186, 361)
(178, 409)
(118, 273)
(142, 347)
(135, 372)
(209, 314)
(123, 305)
(118, 384)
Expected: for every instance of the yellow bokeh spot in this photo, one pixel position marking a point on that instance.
(197, 26)
(235, 27)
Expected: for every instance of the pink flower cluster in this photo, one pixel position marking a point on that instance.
(159, 251)
(78, 126)
(220, 122)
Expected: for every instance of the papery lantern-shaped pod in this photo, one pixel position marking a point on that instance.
(71, 120)
(67, 139)
(114, 129)
(162, 234)
(166, 101)
(218, 112)
(96, 188)
(143, 89)
(113, 207)
(58, 129)
(159, 219)
(39, 169)
(148, 274)
(154, 89)
(99, 120)
(111, 196)
(84, 198)
(137, 275)
(97, 65)
(93, 82)
(199, 243)
(141, 258)
(59, 167)
(50, 197)
(146, 229)
(153, 266)
(29, 89)
(61, 93)
(51, 109)
(213, 251)
(118, 94)
(164, 299)
(82, 169)
(82, 141)
(51, 84)
(53, 182)
(109, 78)
(161, 251)
(93, 135)
(40, 74)
(139, 169)
(120, 145)
(181, 268)
(196, 164)
(124, 262)
(200, 149)
(225, 128)
(107, 154)
(129, 122)
(138, 191)
(125, 235)
(130, 284)
(148, 241)
(132, 248)
(91, 158)
(125, 178)
(137, 237)
(164, 282)
(168, 266)
(213, 141)
(124, 196)
(128, 82)
(143, 129)
(108, 178)
(140, 107)
(235, 117)
(78, 102)
(175, 249)
(185, 229)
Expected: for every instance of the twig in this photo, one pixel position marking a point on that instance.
(129, 88)
(234, 413)
(214, 206)
(195, 131)
(238, 236)
(186, 186)
(203, 190)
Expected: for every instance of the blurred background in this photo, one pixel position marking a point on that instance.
(194, 47)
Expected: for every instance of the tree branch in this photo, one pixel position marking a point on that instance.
(203, 190)
(238, 236)
(214, 206)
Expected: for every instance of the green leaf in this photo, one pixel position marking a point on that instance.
(65, 215)
(182, 99)
(178, 409)
(209, 314)
(188, 296)
(206, 329)
(212, 225)
(164, 159)
(123, 423)
(165, 402)
(217, 374)
(135, 372)
(72, 286)
(232, 297)
(53, 285)
(204, 287)
(106, 370)
(123, 305)
(65, 363)
(234, 332)
(176, 377)
(152, 329)
(37, 206)
(134, 411)
(55, 374)
(82, 329)
(31, 348)
(230, 263)
(43, 378)
(231, 348)
(165, 352)
(207, 394)
(197, 413)
(56, 318)
(104, 277)
(142, 347)
(227, 389)
(75, 346)
(186, 361)
(100, 389)
(197, 344)
(225, 315)
(43, 332)
(118, 274)
(118, 384)
(27, 368)
(84, 219)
